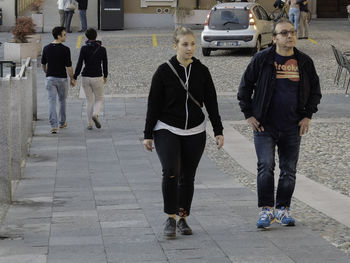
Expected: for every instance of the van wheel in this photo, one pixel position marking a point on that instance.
(257, 47)
(206, 52)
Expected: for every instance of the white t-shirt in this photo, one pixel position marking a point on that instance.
(60, 4)
(195, 130)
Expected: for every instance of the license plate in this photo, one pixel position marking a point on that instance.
(228, 44)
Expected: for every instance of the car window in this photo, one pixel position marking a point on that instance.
(256, 12)
(229, 19)
(263, 13)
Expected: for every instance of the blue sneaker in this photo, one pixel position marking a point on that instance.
(267, 217)
(283, 217)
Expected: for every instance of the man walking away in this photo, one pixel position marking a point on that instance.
(60, 4)
(82, 6)
(278, 94)
(56, 61)
(303, 31)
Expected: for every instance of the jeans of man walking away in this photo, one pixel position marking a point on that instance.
(57, 87)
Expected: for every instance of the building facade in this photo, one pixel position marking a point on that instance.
(148, 13)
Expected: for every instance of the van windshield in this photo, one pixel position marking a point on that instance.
(229, 19)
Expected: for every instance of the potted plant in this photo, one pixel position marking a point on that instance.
(20, 48)
(37, 15)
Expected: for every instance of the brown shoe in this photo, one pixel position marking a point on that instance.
(183, 227)
(64, 125)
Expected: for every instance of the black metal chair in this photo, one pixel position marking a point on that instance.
(347, 67)
(340, 63)
(343, 60)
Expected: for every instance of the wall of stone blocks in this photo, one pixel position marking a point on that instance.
(16, 115)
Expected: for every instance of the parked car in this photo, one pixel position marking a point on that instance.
(237, 25)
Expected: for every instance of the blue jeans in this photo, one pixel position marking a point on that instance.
(294, 15)
(68, 16)
(288, 144)
(57, 86)
(82, 14)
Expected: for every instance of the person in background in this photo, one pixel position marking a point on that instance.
(82, 7)
(303, 31)
(294, 12)
(56, 61)
(69, 7)
(94, 75)
(176, 123)
(60, 4)
(279, 4)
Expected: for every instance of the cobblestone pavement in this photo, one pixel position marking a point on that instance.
(140, 59)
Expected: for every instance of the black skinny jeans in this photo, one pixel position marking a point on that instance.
(179, 157)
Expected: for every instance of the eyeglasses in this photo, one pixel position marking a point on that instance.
(285, 33)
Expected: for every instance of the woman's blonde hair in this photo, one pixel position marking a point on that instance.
(181, 31)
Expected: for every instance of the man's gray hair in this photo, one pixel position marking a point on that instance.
(280, 21)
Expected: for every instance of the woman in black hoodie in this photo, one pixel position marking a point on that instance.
(177, 124)
(94, 75)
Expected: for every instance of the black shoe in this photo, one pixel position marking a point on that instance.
(97, 123)
(183, 227)
(69, 31)
(170, 227)
(81, 31)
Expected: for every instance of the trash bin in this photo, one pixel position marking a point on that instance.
(112, 14)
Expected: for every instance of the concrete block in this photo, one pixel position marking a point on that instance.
(18, 51)
(5, 141)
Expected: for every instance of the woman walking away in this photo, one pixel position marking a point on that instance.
(177, 125)
(94, 75)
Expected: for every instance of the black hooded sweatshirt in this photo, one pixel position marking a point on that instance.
(93, 55)
(167, 98)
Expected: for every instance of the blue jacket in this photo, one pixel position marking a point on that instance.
(258, 83)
